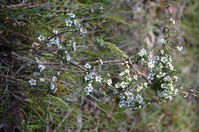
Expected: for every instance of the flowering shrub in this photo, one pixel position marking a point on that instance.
(91, 65)
(133, 88)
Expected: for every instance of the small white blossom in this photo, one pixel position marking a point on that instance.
(83, 31)
(142, 52)
(88, 89)
(162, 52)
(68, 57)
(55, 31)
(54, 41)
(122, 74)
(123, 84)
(162, 41)
(150, 64)
(101, 62)
(68, 22)
(32, 82)
(139, 88)
(72, 15)
(53, 83)
(54, 79)
(109, 82)
(41, 67)
(179, 48)
(41, 79)
(175, 78)
(88, 66)
(135, 77)
(41, 38)
(172, 21)
(98, 79)
(164, 60)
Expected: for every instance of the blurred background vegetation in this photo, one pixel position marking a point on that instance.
(128, 24)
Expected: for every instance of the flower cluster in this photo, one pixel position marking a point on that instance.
(91, 77)
(160, 70)
(41, 69)
(71, 21)
(128, 89)
(39, 79)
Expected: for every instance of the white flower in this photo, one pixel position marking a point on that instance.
(52, 86)
(83, 31)
(175, 91)
(75, 22)
(145, 84)
(41, 67)
(41, 79)
(179, 48)
(58, 73)
(60, 46)
(54, 41)
(54, 79)
(88, 66)
(117, 85)
(164, 59)
(98, 79)
(55, 31)
(68, 58)
(123, 84)
(150, 64)
(162, 51)
(171, 66)
(135, 77)
(162, 41)
(41, 38)
(69, 22)
(122, 74)
(164, 86)
(139, 88)
(175, 78)
(72, 15)
(139, 99)
(171, 87)
(109, 82)
(101, 62)
(172, 21)
(32, 81)
(142, 61)
(88, 89)
(142, 52)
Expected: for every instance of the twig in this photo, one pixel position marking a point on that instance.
(49, 64)
(61, 33)
(104, 62)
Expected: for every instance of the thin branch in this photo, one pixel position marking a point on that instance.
(61, 33)
(104, 62)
